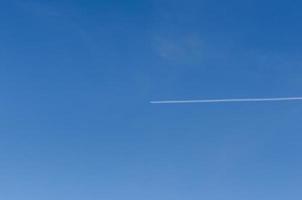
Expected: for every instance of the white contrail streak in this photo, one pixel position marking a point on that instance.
(227, 100)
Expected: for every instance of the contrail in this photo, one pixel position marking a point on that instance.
(227, 100)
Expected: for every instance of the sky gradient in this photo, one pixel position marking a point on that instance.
(77, 78)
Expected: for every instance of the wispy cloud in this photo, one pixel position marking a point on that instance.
(183, 48)
(38, 8)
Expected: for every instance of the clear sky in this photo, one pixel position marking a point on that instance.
(76, 78)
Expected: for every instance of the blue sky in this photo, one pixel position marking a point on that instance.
(77, 77)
